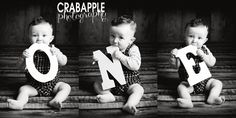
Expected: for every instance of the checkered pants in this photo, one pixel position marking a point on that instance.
(130, 78)
(200, 88)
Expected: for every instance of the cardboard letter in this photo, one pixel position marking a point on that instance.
(194, 77)
(32, 69)
(115, 69)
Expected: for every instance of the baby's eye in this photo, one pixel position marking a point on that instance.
(191, 36)
(199, 37)
(34, 35)
(44, 35)
(120, 37)
(113, 36)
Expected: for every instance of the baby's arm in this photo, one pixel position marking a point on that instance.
(62, 59)
(21, 60)
(209, 59)
(174, 61)
(133, 61)
(20, 63)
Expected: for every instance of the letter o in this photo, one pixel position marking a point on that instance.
(31, 67)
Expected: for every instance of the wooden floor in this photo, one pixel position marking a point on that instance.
(159, 81)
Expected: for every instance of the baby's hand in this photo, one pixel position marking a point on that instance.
(174, 61)
(174, 52)
(117, 54)
(204, 46)
(96, 57)
(200, 53)
(26, 53)
(55, 51)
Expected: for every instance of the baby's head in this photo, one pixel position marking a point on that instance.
(196, 32)
(122, 32)
(40, 31)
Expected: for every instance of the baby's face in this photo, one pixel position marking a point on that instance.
(41, 34)
(196, 36)
(121, 36)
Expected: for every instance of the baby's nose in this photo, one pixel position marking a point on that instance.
(116, 40)
(41, 37)
(195, 40)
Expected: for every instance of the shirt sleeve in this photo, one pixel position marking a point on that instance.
(133, 61)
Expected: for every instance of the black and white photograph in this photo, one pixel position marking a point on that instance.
(117, 59)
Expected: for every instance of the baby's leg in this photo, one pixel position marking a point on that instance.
(62, 91)
(184, 93)
(136, 92)
(22, 98)
(215, 87)
(103, 95)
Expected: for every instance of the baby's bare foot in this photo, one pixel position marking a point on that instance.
(106, 98)
(130, 109)
(184, 103)
(217, 101)
(14, 104)
(55, 104)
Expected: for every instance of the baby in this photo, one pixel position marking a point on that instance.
(196, 32)
(122, 33)
(41, 32)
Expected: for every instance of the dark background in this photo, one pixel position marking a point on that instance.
(159, 21)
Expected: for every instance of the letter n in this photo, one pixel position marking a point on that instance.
(114, 68)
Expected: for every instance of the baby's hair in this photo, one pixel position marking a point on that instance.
(39, 20)
(196, 22)
(124, 19)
